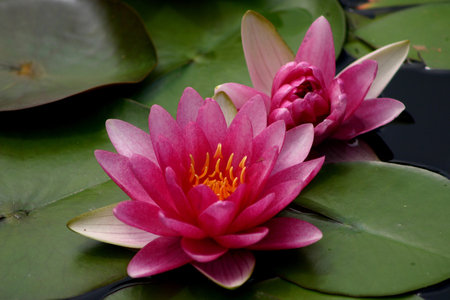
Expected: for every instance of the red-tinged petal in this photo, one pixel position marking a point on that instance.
(190, 103)
(101, 225)
(371, 114)
(238, 196)
(183, 228)
(231, 270)
(303, 112)
(118, 168)
(197, 145)
(272, 136)
(179, 197)
(265, 51)
(282, 114)
(161, 255)
(152, 180)
(217, 217)
(258, 173)
(238, 141)
(280, 77)
(240, 94)
(201, 197)
(162, 123)
(303, 173)
(242, 239)
(142, 215)
(246, 218)
(317, 48)
(129, 140)
(204, 250)
(280, 94)
(297, 145)
(357, 81)
(332, 123)
(255, 110)
(287, 233)
(169, 156)
(211, 120)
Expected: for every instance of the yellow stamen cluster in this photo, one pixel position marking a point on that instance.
(223, 183)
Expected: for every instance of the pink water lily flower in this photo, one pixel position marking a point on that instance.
(203, 192)
(304, 89)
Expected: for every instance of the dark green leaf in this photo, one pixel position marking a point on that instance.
(52, 49)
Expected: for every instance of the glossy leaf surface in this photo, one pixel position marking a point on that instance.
(386, 231)
(53, 49)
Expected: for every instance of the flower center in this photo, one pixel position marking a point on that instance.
(221, 179)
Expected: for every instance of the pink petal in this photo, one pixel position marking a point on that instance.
(190, 103)
(162, 123)
(231, 270)
(297, 145)
(255, 110)
(303, 112)
(238, 141)
(217, 217)
(170, 156)
(282, 114)
(272, 136)
(258, 173)
(197, 145)
(240, 94)
(142, 215)
(287, 233)
(129, 140)
(279, 80)
(246, 218)
(179, 198)
(212, 122)
(357, 81)
(118, 168)
(317, 48)
(152, 180)
(201, 197)
(158, 256)
(204, 250)
(265, 51)
(331, 123)
(183, 228)
(371, 114)
(242, 239)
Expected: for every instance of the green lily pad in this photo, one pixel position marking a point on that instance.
(199, 45)
(386, 231)
(51, 176)
(186, 286)
(426, 26)
(52, 49)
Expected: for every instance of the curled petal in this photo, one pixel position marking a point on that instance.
(287, 233)
(161, 255)
(371, 114)
(240, 94)
(231, 270)
(265, 50)
(242, 239)
(203, 250)
(282, 114)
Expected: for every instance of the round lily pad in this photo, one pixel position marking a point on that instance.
(52, 49)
